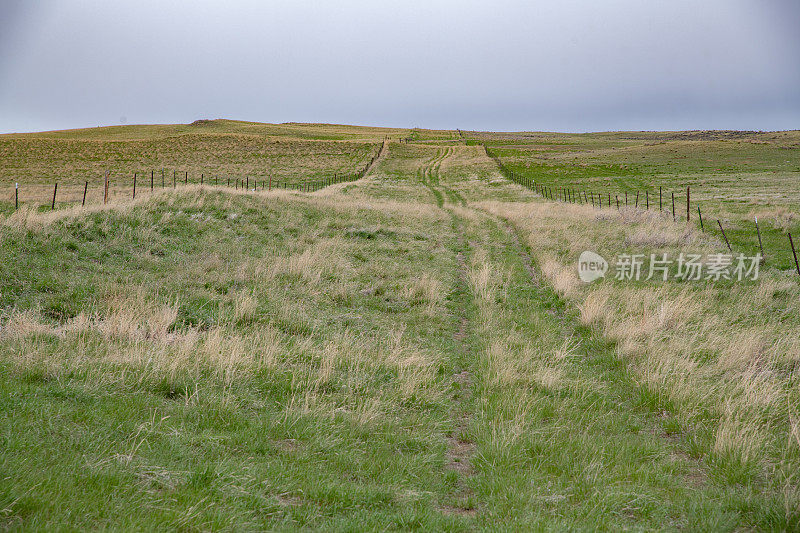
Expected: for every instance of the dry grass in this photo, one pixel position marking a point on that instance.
(321, 341)
(428, 290)
(226, 149)
(129, 333)
(703, 347)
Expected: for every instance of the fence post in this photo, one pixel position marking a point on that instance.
(700, 216)
(626, 198)
(134, 185)
(617, 198)
(796, 264)
(105, 190)
(151, 180)
(724, 236)
(16, 196)
(85, 188)
(647, 200)
(688, 196)
(186, 177)
(673, 208)
(637, 200)
(201, 178)
(758, 232)
(660, 203)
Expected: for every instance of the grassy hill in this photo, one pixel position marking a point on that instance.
(411, 350)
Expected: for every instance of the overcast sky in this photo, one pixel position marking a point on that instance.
(493, 65)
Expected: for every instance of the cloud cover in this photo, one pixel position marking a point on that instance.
(503, 65)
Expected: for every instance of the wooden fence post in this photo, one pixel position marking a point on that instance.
(688, 201)
(105, 190)
(16, 196)
(151, 180)
(134, 185)
(673, 208)
(85, 188)
(758, 232)
(647, 200)
(660, 203)
(186, 177)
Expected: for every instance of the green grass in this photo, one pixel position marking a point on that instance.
(410, 351)
(216, 151)
(733, 177)
(592, 448)
(185, 446)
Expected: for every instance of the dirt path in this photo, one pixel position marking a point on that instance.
(429, 177)
(377, 158)
(460, 449)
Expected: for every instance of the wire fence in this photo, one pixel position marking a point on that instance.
(618, 200)
(150, 181)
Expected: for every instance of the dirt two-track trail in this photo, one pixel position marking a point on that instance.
(480, 234)
(396, 339)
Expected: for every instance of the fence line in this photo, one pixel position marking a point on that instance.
(567, 195)
(266, 184)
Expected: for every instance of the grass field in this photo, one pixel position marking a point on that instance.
(734, 176)
(409, 351)
(222, 149)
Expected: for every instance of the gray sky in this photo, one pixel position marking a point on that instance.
(502, 65)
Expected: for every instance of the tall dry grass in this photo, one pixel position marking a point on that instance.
(730, 350)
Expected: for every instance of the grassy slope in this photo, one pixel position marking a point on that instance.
(733, 176)
(290, 153)
(411, 351)
(212, 360)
